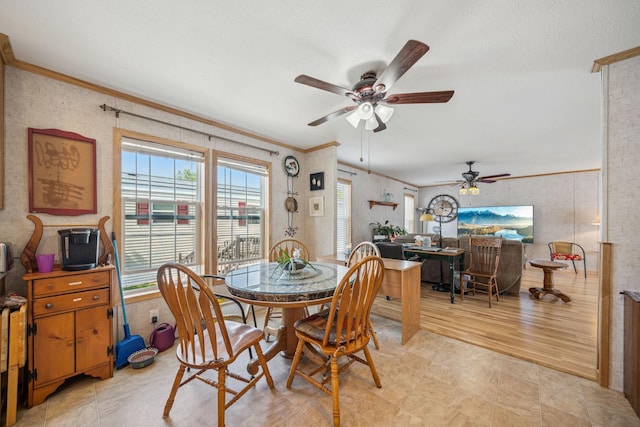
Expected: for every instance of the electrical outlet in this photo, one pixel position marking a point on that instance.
(153, 313)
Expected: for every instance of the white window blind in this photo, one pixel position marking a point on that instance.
(343, 223)
(409, 213)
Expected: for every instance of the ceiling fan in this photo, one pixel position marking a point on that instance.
(470, 180)
(370, 93)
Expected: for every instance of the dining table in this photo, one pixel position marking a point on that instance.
(268, 284)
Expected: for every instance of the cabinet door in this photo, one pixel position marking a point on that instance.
(54, 347)
(93, 337)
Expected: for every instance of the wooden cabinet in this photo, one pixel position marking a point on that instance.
(69, 328)
(632, 348)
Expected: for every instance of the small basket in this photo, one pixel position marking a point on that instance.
(142, 358)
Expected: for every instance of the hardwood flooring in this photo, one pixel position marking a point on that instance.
(547, 332)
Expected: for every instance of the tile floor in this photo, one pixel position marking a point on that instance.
(430, 381)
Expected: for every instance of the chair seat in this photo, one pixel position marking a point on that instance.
(315, 326)
(574, 257)
(241, 337)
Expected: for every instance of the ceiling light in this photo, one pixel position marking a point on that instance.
(463, 190)
(473, 189)
(384, 112)
(367, 112)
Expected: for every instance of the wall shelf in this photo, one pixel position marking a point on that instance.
(372, 203)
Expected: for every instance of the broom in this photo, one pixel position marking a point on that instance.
(129, 344)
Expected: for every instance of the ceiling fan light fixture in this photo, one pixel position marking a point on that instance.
(473, 189)
(363, 112)
(463, 190)
(354, 118)
(384, 112)
(371, 123)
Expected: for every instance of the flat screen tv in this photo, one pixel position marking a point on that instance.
(510, 222)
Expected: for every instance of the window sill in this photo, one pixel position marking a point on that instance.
(142, 296)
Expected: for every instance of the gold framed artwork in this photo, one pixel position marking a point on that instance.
(316, 206)
(62, 173)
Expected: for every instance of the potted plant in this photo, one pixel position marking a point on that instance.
(386, 230)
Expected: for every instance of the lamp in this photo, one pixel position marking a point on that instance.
(367, 112)
(426, 217)
(470, 188)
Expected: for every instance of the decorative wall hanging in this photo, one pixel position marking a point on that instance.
(62, 173)
(316, 181)
(316, 206)
(292, 168)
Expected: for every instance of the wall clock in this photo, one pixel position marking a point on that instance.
(292, 166)
(444, 208)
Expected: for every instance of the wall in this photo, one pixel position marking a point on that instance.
(39, 102)
(564, 205)
(621, 156)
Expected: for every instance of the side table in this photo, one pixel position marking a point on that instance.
(548, 267)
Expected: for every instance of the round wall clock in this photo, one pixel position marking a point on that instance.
(444, 208)
(292, 166)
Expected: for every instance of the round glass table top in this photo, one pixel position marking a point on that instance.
(269, 282)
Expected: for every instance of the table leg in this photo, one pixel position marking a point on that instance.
(548, 288)
(286, 340)
(452, 285)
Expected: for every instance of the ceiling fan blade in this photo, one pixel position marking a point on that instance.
(419, 97)
(381, 125)
(332, 115)
(319, 84)
(412, 51)
(490, 179)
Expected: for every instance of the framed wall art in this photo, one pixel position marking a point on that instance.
(62, 173)
(316, 181)
(316, 206)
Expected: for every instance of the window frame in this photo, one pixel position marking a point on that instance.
(266, 229)
(118, 221)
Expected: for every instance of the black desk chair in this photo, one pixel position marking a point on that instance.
(390, 250)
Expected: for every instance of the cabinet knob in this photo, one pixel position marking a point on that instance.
(48, 305)
(96, 297)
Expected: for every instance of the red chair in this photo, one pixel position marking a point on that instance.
(568, 251)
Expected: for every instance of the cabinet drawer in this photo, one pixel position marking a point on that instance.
(73, 283)
(73, 301)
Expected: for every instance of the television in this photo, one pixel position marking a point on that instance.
(510, 222)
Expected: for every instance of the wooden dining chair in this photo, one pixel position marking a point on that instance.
(568, 251)
(341, 330)
(484, 257)
(282, 248)
(361, 251)
(207, 341)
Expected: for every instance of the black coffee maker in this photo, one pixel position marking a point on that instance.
(79, 247)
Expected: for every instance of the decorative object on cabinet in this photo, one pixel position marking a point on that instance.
(28, 256)
(62, 173)
(316, 206)
(316, 181)
(69, 328)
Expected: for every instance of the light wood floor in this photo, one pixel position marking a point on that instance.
(547, 332)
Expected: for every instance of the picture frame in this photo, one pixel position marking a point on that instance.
(316, 206)
(316, 181)
(62, 173)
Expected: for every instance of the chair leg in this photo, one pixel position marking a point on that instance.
(584, 261)
(174, 390)
(372, 367)
(575, 270)
(263, 364)
(294, 363)
(373, 335)
(335, 386)
(222, 395)
(461, 287)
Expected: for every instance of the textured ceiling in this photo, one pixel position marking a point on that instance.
(525, 100)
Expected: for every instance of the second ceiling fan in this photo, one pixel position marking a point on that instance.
(471, 178)
(371, 102)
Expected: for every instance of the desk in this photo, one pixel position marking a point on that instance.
(258, 284)
(401, 280)
(451, 256)
(548, 268)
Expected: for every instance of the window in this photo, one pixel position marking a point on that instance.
(409, 213)
(162, 188)
(241, 190)
(343, 223)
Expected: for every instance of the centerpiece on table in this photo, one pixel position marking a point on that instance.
(290, 264)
